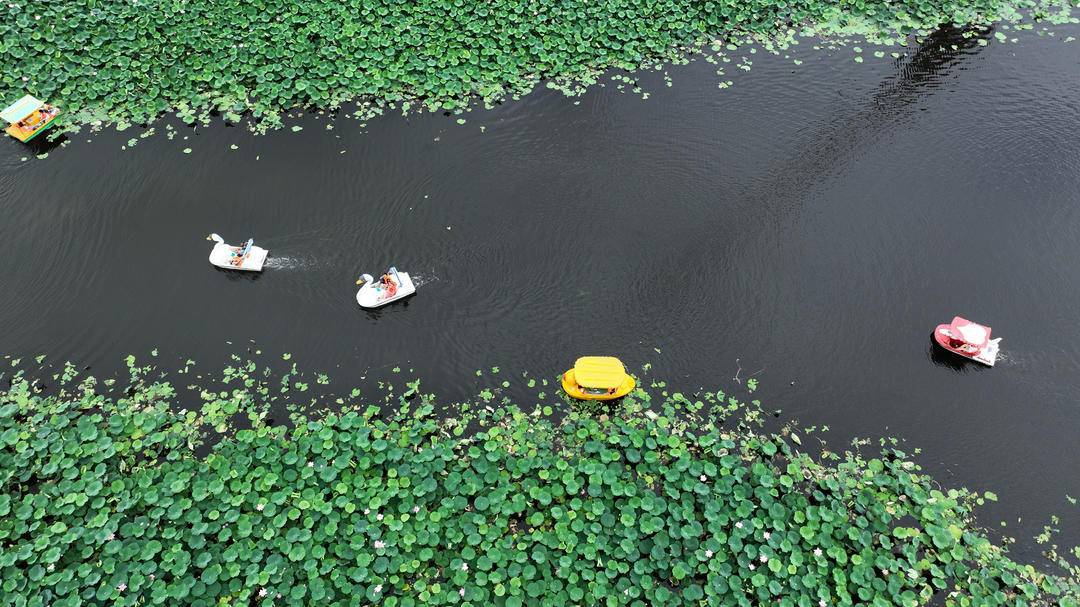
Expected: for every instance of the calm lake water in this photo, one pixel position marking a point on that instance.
(810, 224)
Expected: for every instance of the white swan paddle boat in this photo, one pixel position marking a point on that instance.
(246, 258)
(391, 287)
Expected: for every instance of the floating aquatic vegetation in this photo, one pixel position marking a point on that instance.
(646, 503)
(128, 61)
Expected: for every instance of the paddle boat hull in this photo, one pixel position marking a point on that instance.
(224, 256)
(571, 387)
(25, 136)
(374, 294)
(597, 378)
(29, 117)
(968, 339)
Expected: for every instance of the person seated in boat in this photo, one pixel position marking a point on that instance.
(240, 253)
(36, 118)
(26, 126)
(962, 346)
(389, 284)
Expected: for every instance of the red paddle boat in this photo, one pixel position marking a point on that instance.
(968, 339)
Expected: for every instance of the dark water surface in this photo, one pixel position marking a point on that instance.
(814, 222)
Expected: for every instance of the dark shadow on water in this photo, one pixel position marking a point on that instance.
(822, 154)
(42, 144)
(943, 358)
(235, 275)
(375, 313)
(829, 148)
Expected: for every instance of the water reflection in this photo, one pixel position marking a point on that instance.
(43, 144)
(388, 309)
(939, 52)
(238, 276)
(840, 139)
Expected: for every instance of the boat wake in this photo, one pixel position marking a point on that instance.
(420, 280)
(291, 263)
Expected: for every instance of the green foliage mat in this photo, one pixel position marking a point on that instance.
(130, 60)
(104, 502)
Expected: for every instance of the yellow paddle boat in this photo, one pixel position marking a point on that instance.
(28, 117)
(597, 378)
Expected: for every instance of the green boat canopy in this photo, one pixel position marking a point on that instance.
(21, 109)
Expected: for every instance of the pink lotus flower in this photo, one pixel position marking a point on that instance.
(415, 509)
(122, 587)
(822, 603)
(704, 478)
(379, 544)
(461, 592)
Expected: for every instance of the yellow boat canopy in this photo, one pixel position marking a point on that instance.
(606, 372)
(21, 109)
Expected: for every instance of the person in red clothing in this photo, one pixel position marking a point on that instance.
(389, 284)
